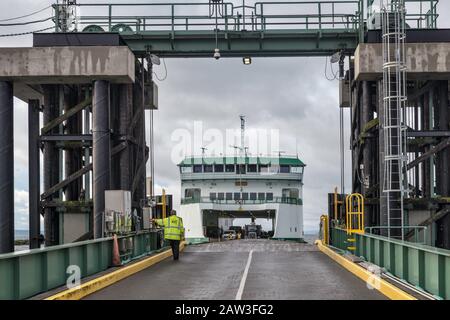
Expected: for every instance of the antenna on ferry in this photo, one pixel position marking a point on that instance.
(203, 151)
(242, 117)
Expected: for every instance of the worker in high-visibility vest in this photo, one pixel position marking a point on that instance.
(173, 231)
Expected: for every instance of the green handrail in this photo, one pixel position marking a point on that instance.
(24, 274)
(426, 267)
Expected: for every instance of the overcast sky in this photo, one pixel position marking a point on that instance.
(291, 95)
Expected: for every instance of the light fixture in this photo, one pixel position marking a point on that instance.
(216, 54)
(155, 59)
(335, 57)
(247, 60)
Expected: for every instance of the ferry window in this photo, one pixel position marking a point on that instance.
(244, 195)
(290, 193)
(296, 169)
(229, 168)
(212, 196)
(229, 196)
(220, 196)
(198, 168)
(252, 168)
(187, 169)
(218, 168)
(269, 196)
(252, 195)
(274, 168)
(284, 169)
(192, 193)
(240, 168)
(208, 168)
(261, 196)
(237, 196)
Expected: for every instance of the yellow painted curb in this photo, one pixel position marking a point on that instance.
(99, 283)
(389, 290)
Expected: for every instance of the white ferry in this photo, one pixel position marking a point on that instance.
(217, 190)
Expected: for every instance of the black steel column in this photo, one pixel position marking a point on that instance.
(34, 173)
(366, 116)
(6, 168)
(72, 156)
(125, 114)
(101, 151)
(51, 165)
(442, 118)
(426, 126)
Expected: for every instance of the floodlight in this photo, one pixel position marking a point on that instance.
(155, 59)
(335, 57)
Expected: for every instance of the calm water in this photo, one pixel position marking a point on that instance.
(21, 235)
(310, 238)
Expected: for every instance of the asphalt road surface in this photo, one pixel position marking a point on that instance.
(244, 269)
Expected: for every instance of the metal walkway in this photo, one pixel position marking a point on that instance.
(278, 270)
(195, 29)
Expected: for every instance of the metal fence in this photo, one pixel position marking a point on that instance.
(24, 274)
(423, 266)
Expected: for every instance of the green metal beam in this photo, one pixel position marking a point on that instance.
(270, 43)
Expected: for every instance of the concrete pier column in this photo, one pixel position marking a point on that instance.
(34, 173)
(101, 151)
(6, 168)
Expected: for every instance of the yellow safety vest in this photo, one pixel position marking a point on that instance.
(173, 227)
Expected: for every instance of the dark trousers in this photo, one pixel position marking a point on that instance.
(175, 245)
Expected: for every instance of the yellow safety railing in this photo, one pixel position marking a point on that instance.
(325, 229)
(354, 204)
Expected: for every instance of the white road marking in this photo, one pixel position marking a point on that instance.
(244, 277)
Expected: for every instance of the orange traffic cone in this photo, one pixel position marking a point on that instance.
(115, 253)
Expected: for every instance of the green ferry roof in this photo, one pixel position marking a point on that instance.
(289, 161)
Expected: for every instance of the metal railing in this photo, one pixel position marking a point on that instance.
(426, 16)
(132, 17)
(415, 231)
(425, 267)
(285, 200)
(262, 16)
(27, 273)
